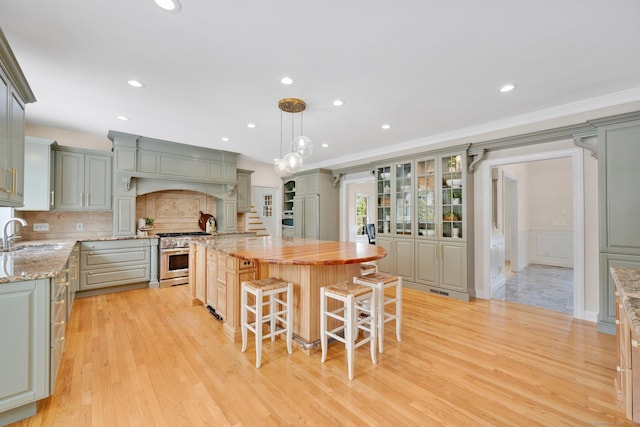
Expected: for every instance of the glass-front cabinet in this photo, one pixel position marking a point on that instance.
(403, 199)
(440, 197)
(395, 195)
(383, 183)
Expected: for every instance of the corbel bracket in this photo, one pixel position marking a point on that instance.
(476, 159)
(578, 141)
(126, 182)
(336, 180)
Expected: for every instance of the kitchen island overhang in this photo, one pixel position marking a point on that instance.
(308, 264)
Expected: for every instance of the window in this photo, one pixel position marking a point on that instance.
(362, 213)
(267, 206)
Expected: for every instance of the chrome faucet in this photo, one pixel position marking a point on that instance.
(7, 241)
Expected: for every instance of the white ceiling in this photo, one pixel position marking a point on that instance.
(431, 69)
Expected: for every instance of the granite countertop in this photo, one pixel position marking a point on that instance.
(40, 259)
(627, 282)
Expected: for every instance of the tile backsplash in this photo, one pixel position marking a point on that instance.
(65, 224)
(173, 211)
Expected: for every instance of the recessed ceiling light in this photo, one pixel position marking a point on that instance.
(507, 88)
(173, 6)
(224, 139)
(325, 145)
(135, 83)
(286, 80)
(338, 103)
(125, 118)
(251, 125)
(386, 126)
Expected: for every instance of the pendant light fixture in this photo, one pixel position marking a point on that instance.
(301, 146)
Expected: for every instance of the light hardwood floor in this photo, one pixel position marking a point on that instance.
(148, 358)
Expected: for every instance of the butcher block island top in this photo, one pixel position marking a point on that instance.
(305, 251)
(308, 264)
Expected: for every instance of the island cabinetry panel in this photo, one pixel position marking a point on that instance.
(198, 273)
(108, 264)
(618, 175)
(607, 315)
(82, 179)
(628, 369)
(230, 273)
(211, 279)
(24, 334)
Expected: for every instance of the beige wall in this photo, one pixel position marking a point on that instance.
(545, 194)
(70, 138)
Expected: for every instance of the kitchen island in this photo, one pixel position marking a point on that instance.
(308, 264)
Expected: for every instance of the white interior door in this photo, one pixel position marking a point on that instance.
(269, 207)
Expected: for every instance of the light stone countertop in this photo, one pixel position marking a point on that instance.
(627, 282)
(30, 262)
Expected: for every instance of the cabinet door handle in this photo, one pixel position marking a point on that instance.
(15, 181)
(88, 199)
(51, 199)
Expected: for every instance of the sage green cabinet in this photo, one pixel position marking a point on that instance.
(442, 267)
(423, 209)
(14, 94)
(244, 190)
(400, 259)
(82, 179)
(109, 264)
(39, 167)
(11, 145)
(24, 359)
(315, 205)
(618, 178)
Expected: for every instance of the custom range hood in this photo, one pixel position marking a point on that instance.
(144, 165)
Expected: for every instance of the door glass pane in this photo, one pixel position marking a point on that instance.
(403, 198)
(383, 183)
(452, 193)
(426, 213)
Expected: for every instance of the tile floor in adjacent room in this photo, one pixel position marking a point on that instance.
(540, 286)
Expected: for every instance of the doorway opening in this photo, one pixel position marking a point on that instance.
(535, 230)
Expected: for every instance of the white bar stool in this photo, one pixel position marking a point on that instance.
(368, 268)
(355, 299)
(380, 282)
(279, 316)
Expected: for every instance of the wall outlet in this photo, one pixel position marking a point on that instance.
(79, 226)
(41, 227)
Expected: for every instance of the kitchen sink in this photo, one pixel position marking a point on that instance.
(44, 247)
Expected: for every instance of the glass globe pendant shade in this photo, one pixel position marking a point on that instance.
(303, 146)
(280, 167)
(293, 162)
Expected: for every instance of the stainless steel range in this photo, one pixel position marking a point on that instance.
(174, 256)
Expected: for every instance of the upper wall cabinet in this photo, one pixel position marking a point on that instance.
(14, 94)
(82, 179)
(244, 190)
(38, 166)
